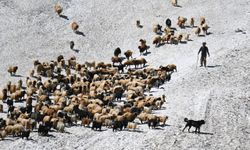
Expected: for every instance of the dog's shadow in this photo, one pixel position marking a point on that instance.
(205, 133)
(17, 75)
(76, 50)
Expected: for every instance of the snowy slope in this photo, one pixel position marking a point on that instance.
(219, 94)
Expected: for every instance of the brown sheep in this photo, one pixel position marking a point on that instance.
(143, 117)
(181, 21)
(202, 21)
(205, 28)
(86, 122)
(116, 59)
(157, 41)
(191, 22)
(3, 94)
(128, 54)
(74, 26)
(58, 9)
(166, 38)
(90, 64)
(174, 3)
(198, 31)
(128, 63)
(163, 119)
(12, 70)
(179, 38)
(3, 134)
(172, 67)
(157, 29)
(132, 126)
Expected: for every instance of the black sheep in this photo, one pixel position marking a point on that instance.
(43, 130)
(25, 133)
(96, 125)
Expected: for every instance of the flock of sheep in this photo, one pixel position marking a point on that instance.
(64, 92)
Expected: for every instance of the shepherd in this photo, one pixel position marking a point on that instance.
(204, 52)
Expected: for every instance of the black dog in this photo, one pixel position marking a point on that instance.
(196, 124)
(26, 133)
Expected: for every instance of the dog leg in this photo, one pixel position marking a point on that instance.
(189, 128)
(184, 128)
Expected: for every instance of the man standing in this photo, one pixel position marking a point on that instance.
(204, 52)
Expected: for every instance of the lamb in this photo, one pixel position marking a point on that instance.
(132, 126)
(58, 9)
(117, 52)
(128, 54)
(157, 41)
(198, 31)
(166, 38)
(174, 3)
(12, 70)
(74, 26)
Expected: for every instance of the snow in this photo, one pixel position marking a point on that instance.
(219, 94)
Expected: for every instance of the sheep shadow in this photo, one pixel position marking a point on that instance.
(214, 66)
(76, 50)
(183, 42)
(16, 75)
(80, 33)
(201, 35)
(173, 28)
(209, 33)
(64, 17)
(137, 131)
(157, 128)
(7, 139)
(165, 125)
(145, 54)
(30, 139)
(178, 6)
(205, 133)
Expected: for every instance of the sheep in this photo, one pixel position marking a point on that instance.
(3, 134)
(157, 29)
(19, 84)
(12, 70)
(157, 41)
(90, 64)
(187, 37)
(74, 26)
(117, 52)
(96, 125)
(140, 61)
(172, 67)
(163, 119)
(202, 21)
(86, 121)
(128, 54)
(181, 21)
(174, 3)
(71, 44)
(179, 38)
(132, 126)
(25, 133)
(3, 94)
(58, 9)
(1, 108)
(60, 126)
(198, 31)
(143, 46)
(138, 24)
(204, 28)
(142, 117)
(166, 38)
(116, 59)
(191, 22)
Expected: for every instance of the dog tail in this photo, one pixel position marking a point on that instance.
(186, 119)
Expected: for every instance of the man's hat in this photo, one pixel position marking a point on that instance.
(204, 43)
